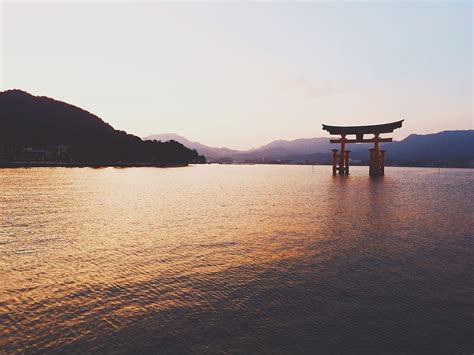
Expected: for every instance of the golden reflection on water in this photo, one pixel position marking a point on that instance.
(85, 251)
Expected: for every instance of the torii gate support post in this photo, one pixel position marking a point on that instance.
(371, 162)
(376, 156)
(334, 161)
(342, 155)
(382, 162)
(346, 161)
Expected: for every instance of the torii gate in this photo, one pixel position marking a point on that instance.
(340, 159)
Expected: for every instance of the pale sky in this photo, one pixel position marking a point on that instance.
(239, 74)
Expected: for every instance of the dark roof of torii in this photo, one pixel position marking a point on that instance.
(360, 130)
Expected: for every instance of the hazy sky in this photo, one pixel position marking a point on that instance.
(242, 74)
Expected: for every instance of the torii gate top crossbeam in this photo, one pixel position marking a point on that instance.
(359, 131)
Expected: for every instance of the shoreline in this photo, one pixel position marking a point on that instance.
(13, 165)
(358, 165)
(29, 164)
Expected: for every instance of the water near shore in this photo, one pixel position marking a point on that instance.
(236, 259)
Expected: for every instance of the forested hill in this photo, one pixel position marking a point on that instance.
(36, 128)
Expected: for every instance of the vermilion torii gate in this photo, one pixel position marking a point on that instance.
(340, 159)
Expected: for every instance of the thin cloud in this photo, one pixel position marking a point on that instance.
(309, 88)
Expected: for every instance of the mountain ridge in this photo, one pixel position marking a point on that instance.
(207, 151)
(454, 147)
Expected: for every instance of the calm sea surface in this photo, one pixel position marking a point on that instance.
(236, 259)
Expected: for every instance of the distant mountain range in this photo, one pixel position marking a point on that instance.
(41, 129)
(273, 150)
(447, 148)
